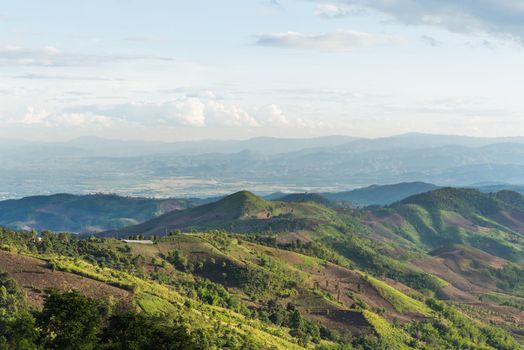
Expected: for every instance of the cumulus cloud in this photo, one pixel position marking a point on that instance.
(50, 56)
(34, 117)
(273, 116)
(62, 119)
(338, 41)
(182, 112)
(501, 17)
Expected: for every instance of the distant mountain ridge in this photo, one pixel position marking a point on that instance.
(324, 164)
(381, 194)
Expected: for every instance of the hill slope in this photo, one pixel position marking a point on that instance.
(235, 293)
(239, 212)
(492, 222)
(76, 213)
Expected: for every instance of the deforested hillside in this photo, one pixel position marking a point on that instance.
(296, 273)
(490, 222)
(206, 290)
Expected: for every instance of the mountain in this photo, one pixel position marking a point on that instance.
(247, 273)
(499, 187)
(83, 213)
(239, 212)
(264, 165)
(491, 222)
(263, 145)
(381, 195)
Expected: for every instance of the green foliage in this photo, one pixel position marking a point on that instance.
(370, 259)
(392, 336)
(453, 330)
(179, 260)
(17, 326)
(400, 301)
(132, 331)
(69, 321)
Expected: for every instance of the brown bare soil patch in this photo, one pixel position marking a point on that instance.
(341, 283)
(34, 276)
(501, 316)
(513, 220)
(286, 238)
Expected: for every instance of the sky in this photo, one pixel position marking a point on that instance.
(233, 69)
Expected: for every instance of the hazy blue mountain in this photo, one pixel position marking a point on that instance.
(381, 195)
(263, 165)
(262, 145)
(499, 187)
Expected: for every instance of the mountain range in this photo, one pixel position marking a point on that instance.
(265, 165)
(102, 212)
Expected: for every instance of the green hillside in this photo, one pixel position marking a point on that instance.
(440, 270)
(239, 212)
(214, 290)
(489, 222)
(89, 213)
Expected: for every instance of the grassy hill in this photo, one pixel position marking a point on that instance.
(77, 213)
(239, 294)
(490, 222)
(239, 212)
(441, 270)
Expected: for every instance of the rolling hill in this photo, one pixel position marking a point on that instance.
(82, 214)
(234, 290)
(239, 212)
(298, 274)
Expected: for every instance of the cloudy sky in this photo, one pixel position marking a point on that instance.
(177, 70)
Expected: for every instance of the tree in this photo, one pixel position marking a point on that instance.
(69, 321)
(133, 331)
(17, 325)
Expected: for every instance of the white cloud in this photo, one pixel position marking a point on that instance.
(186, 112)
(34, 117)
(44, 118)
(273, 116)
(182, 112)
(333, 11)
(81, 120)
(338, 41)
(219, 114)
(50, 56)
(501, 17)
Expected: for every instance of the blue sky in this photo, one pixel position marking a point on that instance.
(177, 70)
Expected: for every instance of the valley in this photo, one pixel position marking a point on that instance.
(362, 277)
